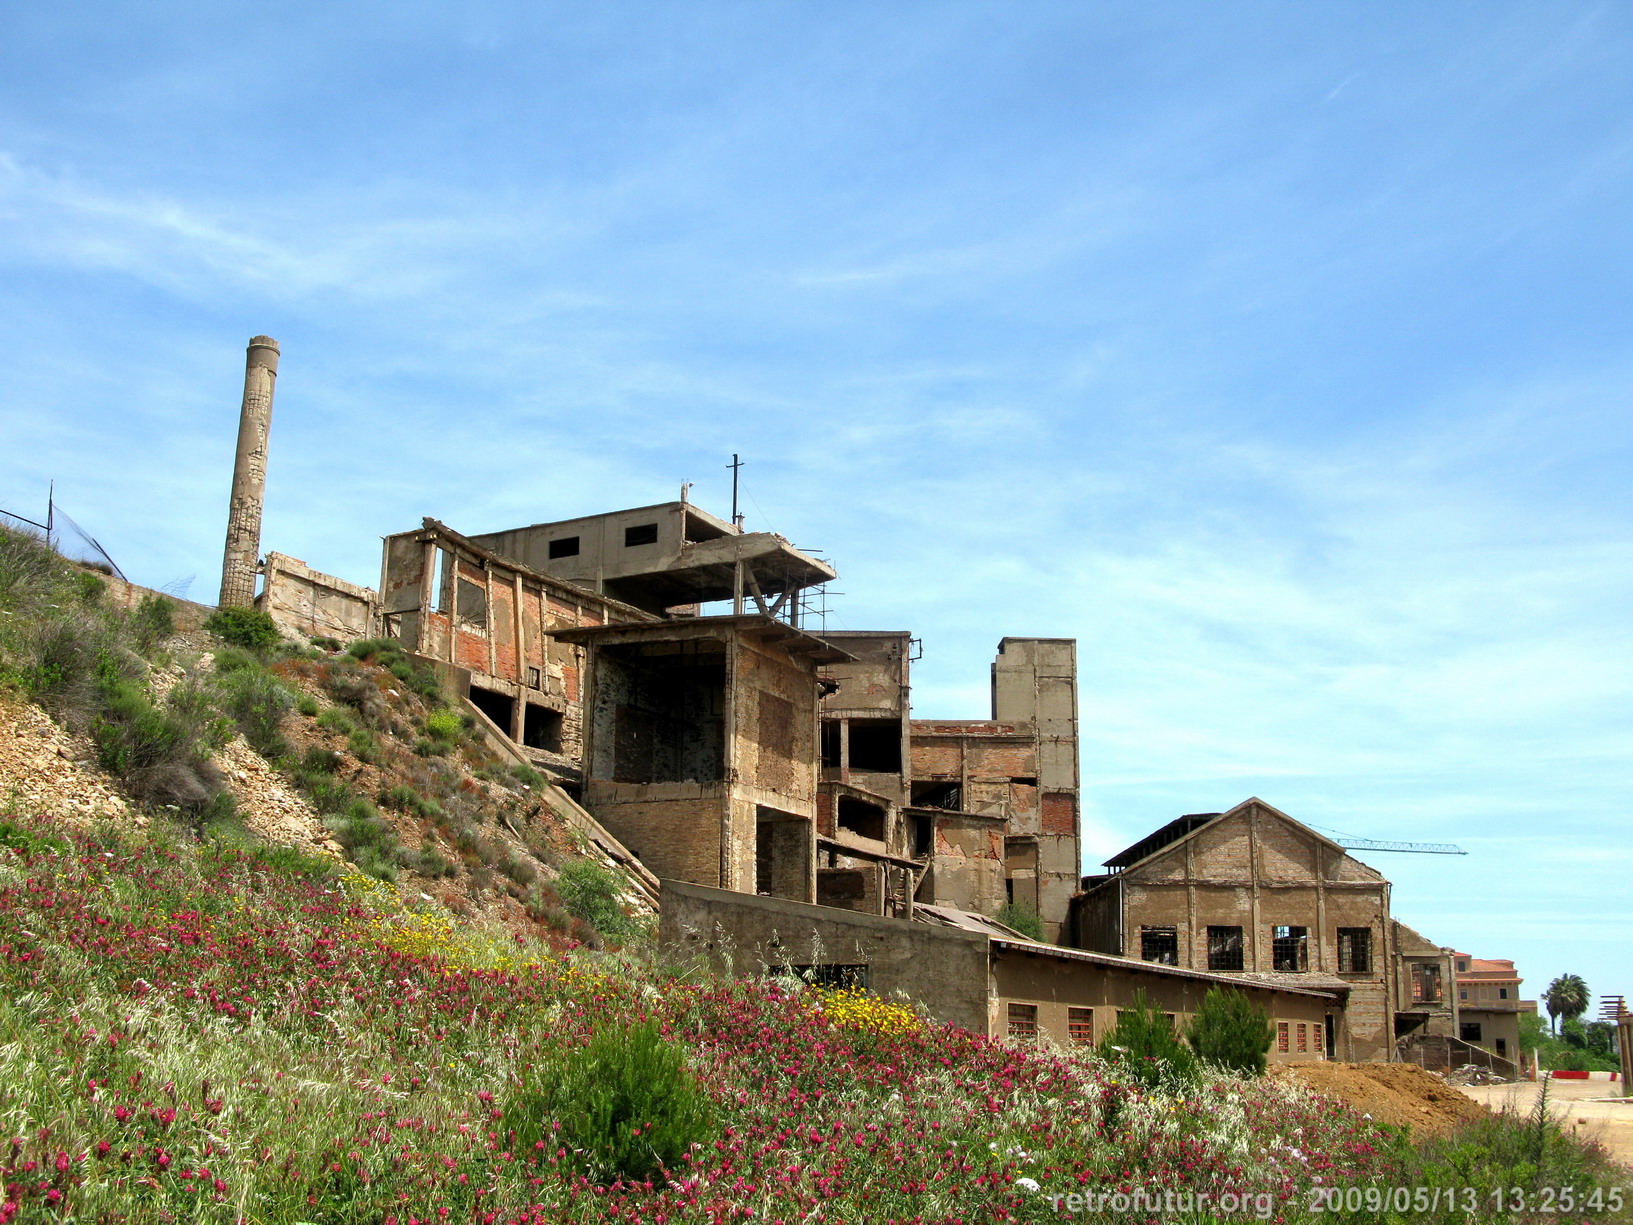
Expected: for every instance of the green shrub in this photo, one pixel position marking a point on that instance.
(26, 842)
(258, 703)
(249, 628)
(1022, 918)
(1143, 1043)
(89, 588)
(337, 720)
(325, 643)
(591, 892)
(307, 705)
(406, 798)
(235, 659)
(527, 776)
(1231, 1032)
(369, 841)
(432, 862)
(627, 1105)
(161, 753)
(444, 725)
(152, 621)
(362, 745)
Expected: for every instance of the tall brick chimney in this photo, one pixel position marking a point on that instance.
(243, 554)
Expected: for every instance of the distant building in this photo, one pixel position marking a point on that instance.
(1489, 1004)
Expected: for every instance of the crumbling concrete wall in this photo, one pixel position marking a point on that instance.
(308, 603)
(454, 602)
(943, 969)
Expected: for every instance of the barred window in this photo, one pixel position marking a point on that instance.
(1354, 950)
(1160, 944)
(1080, 1025)
(1290, 948)
(1281, 1036)
(1023, 1020)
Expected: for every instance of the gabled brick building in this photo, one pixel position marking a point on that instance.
(1257, 895)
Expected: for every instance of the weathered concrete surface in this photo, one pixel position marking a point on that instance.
(1584, 1107)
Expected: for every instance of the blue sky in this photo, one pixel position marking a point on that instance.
(1276, 352)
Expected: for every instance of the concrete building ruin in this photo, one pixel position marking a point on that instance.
(773, 777)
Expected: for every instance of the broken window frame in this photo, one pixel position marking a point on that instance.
(828, 975)
(1427, 987)
(1159, 945)
(1355, 950)
(1225, 948)
(1289, 948)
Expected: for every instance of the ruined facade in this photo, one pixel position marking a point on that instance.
(734, 750)
(1254, 894)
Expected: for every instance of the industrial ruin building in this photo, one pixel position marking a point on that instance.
(765, 782)
(1254, 894)
(738, 750)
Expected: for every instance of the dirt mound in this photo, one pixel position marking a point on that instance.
(1401, 1094)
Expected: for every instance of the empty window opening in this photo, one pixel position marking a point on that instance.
(1290, 949)
(1354, 950)
(830, 746)
(1425, 982)
(473, 605)
(1462, 995)
(784, 855)
(541, 728)
(645, 533)
(876, 746)
(1469, 1031)
(830, 976)
(1331, 1050)
(1080, 1026)
(949, 796)
(440, 582)
(924, 835)
(1023, 1020)
(861, 818)
(1160, 944)
(1502, 1047)
(659, 713)
(497, 706)
(841, 886)
(1502, 993)
(1024, 782)
(1224, 948)
(562, 546)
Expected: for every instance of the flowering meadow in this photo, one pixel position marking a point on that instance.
(203, 1032)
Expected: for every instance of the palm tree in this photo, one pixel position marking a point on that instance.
(1567, 996)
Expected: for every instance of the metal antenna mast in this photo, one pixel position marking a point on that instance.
(735, 465)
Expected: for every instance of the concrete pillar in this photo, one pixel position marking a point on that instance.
(249, 476)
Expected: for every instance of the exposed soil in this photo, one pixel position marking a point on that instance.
(46, 769)
(1401, 1094)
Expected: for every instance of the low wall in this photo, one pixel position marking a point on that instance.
(943, 969)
